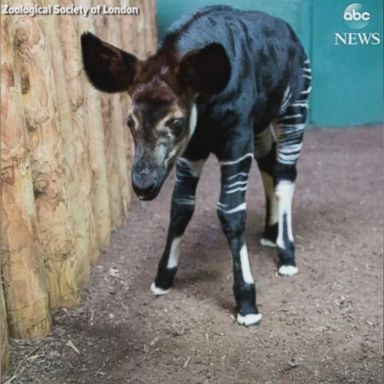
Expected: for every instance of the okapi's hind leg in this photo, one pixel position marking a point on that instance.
(265, 155)
(289, 136)
(182, 207)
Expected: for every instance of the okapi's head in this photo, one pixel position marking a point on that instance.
(163, 89)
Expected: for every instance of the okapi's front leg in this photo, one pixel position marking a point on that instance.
(182, 207)
(231, 210)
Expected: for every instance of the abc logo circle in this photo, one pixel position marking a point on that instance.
(356, 16)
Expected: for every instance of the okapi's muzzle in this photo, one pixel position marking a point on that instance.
(147, 175)
(147, 183)
(144, 184)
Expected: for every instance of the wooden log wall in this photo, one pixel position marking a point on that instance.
(65, 159)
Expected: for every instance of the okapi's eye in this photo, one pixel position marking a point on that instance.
(131, 122)
(176, 125)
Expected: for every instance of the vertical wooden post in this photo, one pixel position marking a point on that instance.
(96, 147)
(4, 353)
(152, 23)
(64, 122)
(80, 188)
(128, 43)
(50, 177)
(22, 264)
(119, 117)
(66, 128)
(109, 121)
(148, 17)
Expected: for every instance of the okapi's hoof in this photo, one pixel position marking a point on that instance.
(248, 320)
(267, 243)
(288, 270)
(159, 291)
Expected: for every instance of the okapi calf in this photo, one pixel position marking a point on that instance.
(227, 82)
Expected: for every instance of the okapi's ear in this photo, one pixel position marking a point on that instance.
(206, 70)
(108, 68)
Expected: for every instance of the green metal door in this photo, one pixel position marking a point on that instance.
(347, 79)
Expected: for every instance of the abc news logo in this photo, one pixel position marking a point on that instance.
(356, 16)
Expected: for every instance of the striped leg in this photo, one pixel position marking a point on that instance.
(265, 155)
(231, 211)
(183, 204)
(289, 132)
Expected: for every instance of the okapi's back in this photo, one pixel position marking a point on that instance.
(237, 30)
(253, 40)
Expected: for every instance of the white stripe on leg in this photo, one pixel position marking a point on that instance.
(173, 261)
(174, 253)
(245, 267)
(284, 193)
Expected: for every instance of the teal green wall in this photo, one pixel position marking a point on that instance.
(347, 80)
(294, 11)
